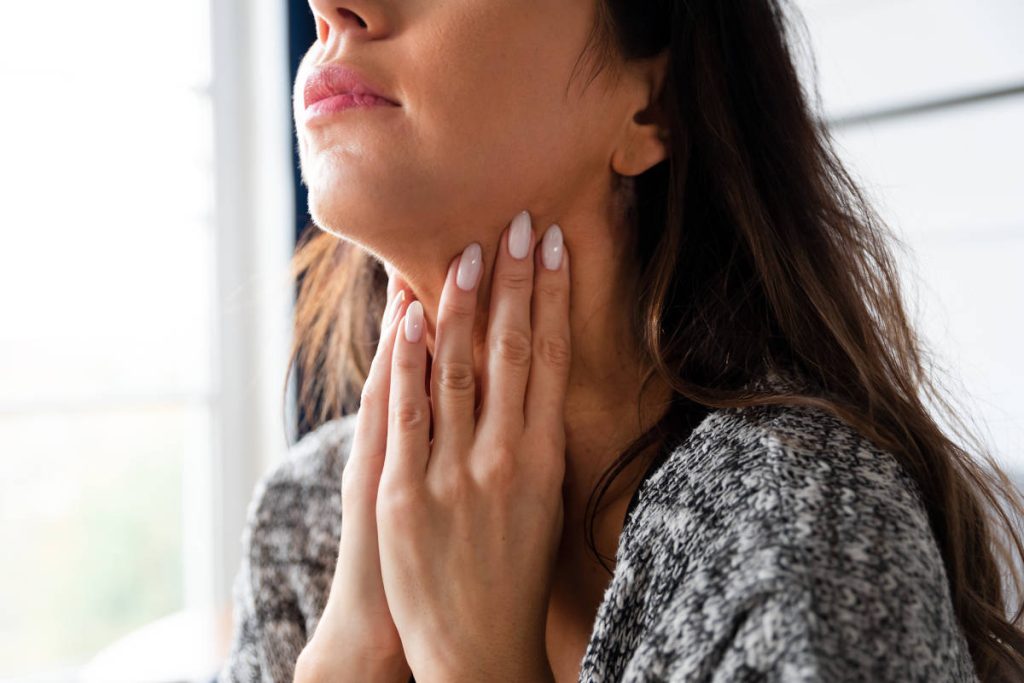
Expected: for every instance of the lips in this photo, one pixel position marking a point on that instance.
(330, 80)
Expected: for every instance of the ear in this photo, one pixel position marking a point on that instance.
(644, 139)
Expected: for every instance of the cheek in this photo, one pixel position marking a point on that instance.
(510, 148)
(499, 122)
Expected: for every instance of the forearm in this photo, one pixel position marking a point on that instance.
(341, 664)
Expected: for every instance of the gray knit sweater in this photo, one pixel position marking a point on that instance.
(773, 544)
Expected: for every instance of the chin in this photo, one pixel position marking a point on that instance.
(349, 205)
(348, 221)
(389, 235)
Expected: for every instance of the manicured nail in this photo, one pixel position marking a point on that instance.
(396, 304)
(520, 235)
(414, 322)
(469, 267)
(551, 247)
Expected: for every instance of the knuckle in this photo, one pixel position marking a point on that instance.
(554, 351)
(454, 377)
(352, 481)
(456, 486)
(515, 280)
(513, 347)
(396, 503)
(405, 362)
(458, 309)
(369, 392)
(499, 471)
(411, 414)
(351, 488)
(551, 291)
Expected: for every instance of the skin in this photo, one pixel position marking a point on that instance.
(469, 521)
(413, 186)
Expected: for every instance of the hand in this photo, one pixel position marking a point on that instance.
(356, 638)
(470, 522)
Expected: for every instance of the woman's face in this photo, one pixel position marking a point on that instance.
(487, 126)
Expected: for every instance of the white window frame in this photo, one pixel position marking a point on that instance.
(254, 226)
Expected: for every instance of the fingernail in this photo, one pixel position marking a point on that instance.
(520, 234)
(469, 267)
(396, 304)
(551, 247)
(414, 321)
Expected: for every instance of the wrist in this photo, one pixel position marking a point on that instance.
(342, 661)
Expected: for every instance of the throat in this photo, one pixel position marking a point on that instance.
(579, 583)
(572, 611)
(568, 633)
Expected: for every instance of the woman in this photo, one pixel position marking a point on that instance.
(696, 319)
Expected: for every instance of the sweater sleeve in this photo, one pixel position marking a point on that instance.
(811, 576)
(269, 629)
(289, 552)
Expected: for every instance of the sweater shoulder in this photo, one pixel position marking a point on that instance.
(783, 462)
(295, 511)
(795, 482)
(788, 518)
(318, 457)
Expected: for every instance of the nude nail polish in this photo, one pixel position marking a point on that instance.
(469, 267)
(551, 247)
(520, 234)
(414, 322)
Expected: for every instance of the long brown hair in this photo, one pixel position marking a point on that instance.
(756, 250)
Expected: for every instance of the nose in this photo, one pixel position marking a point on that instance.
(348, 19)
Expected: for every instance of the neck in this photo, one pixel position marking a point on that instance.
(604, 410)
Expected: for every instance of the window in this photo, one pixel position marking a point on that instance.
(144, 321)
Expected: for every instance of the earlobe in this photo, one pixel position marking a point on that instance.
(647, 147)
(646, 136)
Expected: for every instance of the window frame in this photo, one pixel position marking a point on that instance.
(254, 210)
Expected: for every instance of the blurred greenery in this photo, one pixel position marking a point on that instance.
(91, 526)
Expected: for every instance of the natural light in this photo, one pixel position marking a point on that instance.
(107, 272)
(145, 226)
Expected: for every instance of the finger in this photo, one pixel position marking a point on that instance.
(549, 371)
(508, 334)
(361, 474)
(392, 280)
(452, 375)
(371, 420)
(408, 440)
(396, 282)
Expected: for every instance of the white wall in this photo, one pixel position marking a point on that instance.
(947, 176)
